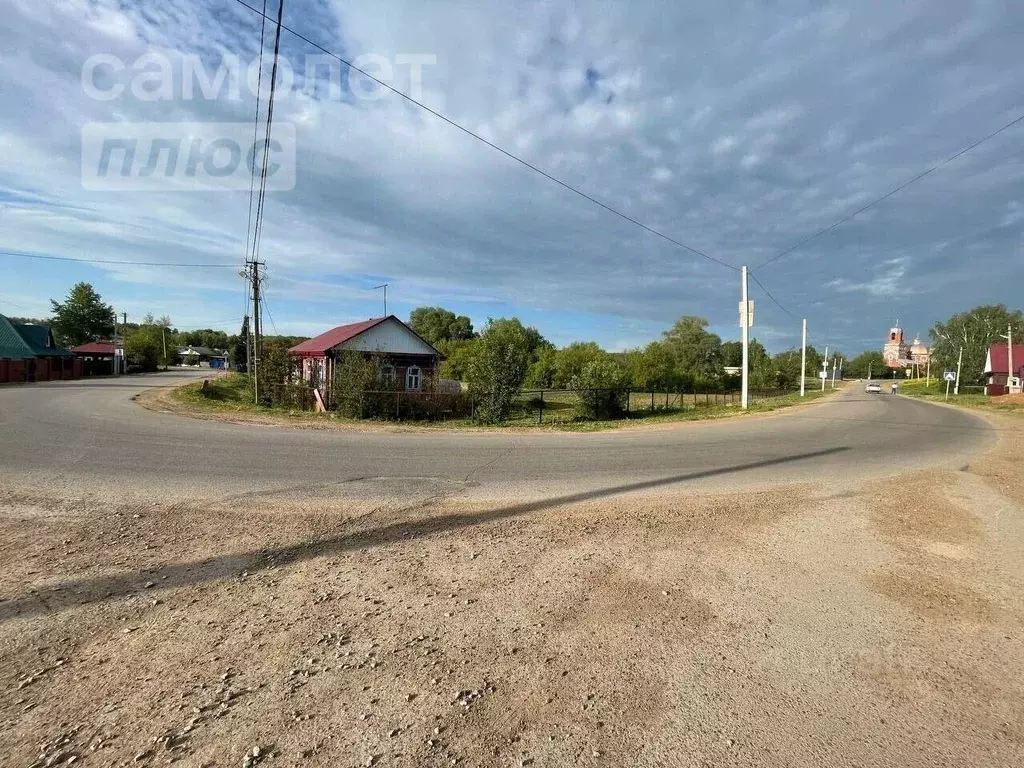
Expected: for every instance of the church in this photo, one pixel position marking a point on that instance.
(898, 354)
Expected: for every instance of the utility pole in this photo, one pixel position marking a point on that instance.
(115, 344)
(869, 370)
(803, 358)
(959, 365)
(163, 336)
(824, 370)
(833, 373)
(744, 325)
(256, 324)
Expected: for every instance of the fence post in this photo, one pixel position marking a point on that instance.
(540, 413)
(628, 398)
(398, 405)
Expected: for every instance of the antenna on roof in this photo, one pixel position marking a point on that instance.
(385, 287)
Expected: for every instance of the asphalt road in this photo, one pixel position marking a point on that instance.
(89, 436)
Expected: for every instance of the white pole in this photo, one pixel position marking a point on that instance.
(803, 358)
(824, 369)
(115, 343)
(833, 373)
(959, 364)
(1009, 358)
(745, 323)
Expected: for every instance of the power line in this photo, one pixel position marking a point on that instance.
(889, 194)
(769, 295)
(255, 130)
(261, 201)
(494, 146)
(263, 303)
(114, 261)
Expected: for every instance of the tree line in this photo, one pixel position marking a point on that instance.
(153, 343)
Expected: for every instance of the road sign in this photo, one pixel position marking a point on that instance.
(949, 375)
(749, 315)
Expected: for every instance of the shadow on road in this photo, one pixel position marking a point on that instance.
(70, 594)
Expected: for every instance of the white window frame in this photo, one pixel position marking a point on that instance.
(413, 372)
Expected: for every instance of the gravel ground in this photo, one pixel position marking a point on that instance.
(877, 624)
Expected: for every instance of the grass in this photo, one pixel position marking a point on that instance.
(935, 390)
(231, 395)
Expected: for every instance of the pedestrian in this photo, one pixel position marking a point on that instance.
(893, 388)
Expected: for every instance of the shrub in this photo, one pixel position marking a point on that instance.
(601, 388)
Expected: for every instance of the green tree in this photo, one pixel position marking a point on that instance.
(458, 354)
(974, 331)
(697, 351)
(240, 349)
(542, 371)
(437, 324)
(571, 360)
(653, 368)
(869, 363)
(601, 387)
(500, 361)
(81, 317)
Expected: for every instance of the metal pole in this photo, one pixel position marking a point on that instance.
(744, 324)
(115, 344)
(959, 364)
(833, 373)
(803, 359)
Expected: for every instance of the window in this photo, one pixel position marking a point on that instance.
(413, 376)
(388, 377)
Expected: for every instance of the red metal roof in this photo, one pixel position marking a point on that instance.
(94, 348)
(319, 345)
(1000, 363)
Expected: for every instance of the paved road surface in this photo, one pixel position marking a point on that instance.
(90, 436)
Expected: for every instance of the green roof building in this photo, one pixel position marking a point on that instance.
(30, 353)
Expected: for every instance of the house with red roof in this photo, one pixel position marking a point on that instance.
(411, 360)
(97, 357)
(997, 367)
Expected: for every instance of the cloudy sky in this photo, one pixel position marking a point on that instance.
(736, 128)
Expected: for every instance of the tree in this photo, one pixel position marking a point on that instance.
(458, 354)
(869, 363)
(975, 331)
(501, 358)
(697, 351)
(571, 360)
(653, 368)
(601, 388)
(542, 371)
(81, 317)
(240, 350)
(143, 347)
(437, 324)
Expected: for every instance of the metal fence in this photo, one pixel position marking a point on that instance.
(538, 406)
(548, 405)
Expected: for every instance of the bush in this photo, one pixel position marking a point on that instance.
(358, 381)
(601, 388)
(501, 358)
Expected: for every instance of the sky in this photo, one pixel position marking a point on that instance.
(738, 129)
